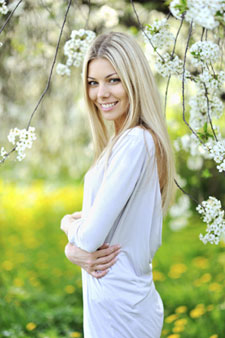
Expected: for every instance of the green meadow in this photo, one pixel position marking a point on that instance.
(41, 291)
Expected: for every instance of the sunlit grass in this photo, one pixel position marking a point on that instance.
(40, 290)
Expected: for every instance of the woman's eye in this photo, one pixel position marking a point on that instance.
(92, 83)
(114, 80)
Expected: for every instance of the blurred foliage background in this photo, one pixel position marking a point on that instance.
(40, 291)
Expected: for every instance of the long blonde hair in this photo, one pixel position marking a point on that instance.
(132, 67)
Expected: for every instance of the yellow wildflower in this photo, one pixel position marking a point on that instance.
(176, 270)
(158, 276)
(171, 318)
(198, 311)
(75, 334)
(181, 309)
(69, 289)
(31, 326)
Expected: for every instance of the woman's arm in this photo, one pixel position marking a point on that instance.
(96, 263)
(122, 174)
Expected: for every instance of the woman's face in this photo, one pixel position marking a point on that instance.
(106, 91)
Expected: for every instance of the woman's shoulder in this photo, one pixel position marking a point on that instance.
(140, 135)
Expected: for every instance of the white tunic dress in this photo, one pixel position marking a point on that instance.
(123, 208)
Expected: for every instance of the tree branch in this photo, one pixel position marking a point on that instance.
(49, 78)
(9, 17)
(53, 64)
(142, 29)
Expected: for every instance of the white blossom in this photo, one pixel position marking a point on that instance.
(75, 49)
(3, 7)
(191, 144)
(23, 139)
(204, 52)
(206, 13)
(62, 69)
(213, 216)
(108, 15)
(168, 66)
(180, 212)
(3, 152)
(217, 150)
(212, 82)
(158, 33)
(1, 44)
(199, 110)
(194, 162)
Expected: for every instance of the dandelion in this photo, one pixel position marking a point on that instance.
(31, 326)
(215, 287)
(75, 334)
(158, 276)
(177, 270)
(173, 336)
(69, 289)
(181, 309)
(198, 311)
(171, 318)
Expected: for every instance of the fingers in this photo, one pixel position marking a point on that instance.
(99, 274)
(109, 258)
(107, 251)
(106, 266)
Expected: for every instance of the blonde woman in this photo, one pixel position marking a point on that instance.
(126, 192)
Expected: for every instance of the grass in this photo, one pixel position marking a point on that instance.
(40, 290)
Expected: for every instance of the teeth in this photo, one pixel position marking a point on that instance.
(108, 105)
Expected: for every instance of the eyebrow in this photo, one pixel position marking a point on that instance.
(89, 77)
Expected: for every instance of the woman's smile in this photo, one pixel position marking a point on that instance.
(106, 91)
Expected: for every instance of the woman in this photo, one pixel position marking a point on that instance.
(126, 192)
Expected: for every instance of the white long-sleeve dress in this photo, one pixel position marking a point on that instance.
(122, 207)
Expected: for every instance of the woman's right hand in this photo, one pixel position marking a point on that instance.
(95, 263)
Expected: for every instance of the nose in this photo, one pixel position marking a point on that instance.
(103, 91)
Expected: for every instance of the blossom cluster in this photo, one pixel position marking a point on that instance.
(204, 52)
(168, 66)
(217, 150)
(213, 216)
(3, 7)
(75, 49)
(206, 13)
(158, 33)
(200, 109)
(191, 144)
(23, 139)
(212, 82)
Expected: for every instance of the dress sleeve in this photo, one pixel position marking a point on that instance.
(122, 173)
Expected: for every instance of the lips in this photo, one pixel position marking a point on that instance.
(108, 106)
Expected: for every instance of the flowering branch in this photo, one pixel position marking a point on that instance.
(183, 78)
(143, 31)
(172, 55)
(9, 17)
(29, 134)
